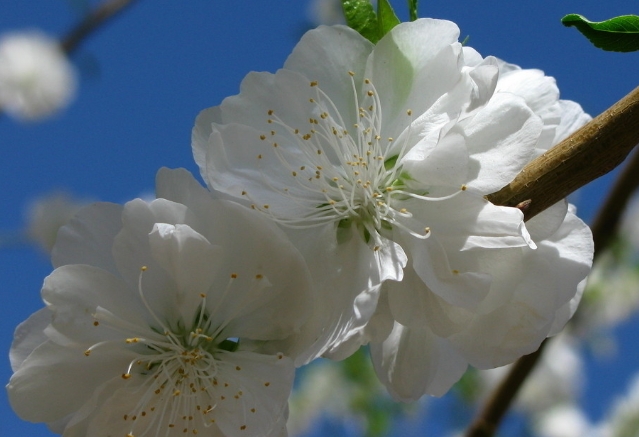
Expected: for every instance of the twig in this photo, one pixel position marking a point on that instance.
(587, 154)
(92, 22)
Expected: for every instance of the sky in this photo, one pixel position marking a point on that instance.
(145, 76)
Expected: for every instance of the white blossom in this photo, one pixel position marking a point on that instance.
(326, 12)
(565, 421)
(623, 418)
(376, 160)
(557, 379)
(36, 77)
(159, 321)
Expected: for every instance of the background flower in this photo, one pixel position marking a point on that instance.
(36, 78)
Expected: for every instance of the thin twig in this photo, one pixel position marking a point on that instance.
(589, 153)
(92, 22)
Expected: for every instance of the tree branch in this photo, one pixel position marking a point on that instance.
(92, 22)
(592, 151)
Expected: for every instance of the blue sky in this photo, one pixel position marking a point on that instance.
(145, 76)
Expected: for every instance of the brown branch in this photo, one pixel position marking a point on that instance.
(590, 152)
(92, 22)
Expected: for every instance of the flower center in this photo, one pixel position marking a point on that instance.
(336, 174)
(176, 380)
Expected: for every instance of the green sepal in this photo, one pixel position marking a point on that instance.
(360, 15)
(412, 9)
(386, 17)
(619, 34)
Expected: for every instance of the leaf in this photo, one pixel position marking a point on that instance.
(360, 15)
(386, 17)
(619, 34)
(412, 9)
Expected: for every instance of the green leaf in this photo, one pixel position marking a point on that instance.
(360, 15)
(386, 17)
(619, 34)
(412, 9)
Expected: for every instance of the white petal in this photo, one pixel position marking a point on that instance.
(265, 382)
(132, 252)
(425, 57)
(36, 396)
(347, 276)
(572, 118)
(190, 260)
(180, 186)
(75, 292)
(88, 237)
(200, 136)
(413, 304)
(29, 335)
(326, 55)
(550, 281)
(501, 139)
(539, 91)
(272, 278)
(444, 165)
(413, 362)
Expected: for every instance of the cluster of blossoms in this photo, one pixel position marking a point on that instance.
(345, 206)
(36, 77)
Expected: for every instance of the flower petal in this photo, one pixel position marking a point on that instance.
(36, 396)
(501, 139)
(190, 260)
(29, 335)
(87, 238)
(412, 362)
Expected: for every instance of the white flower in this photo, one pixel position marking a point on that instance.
(36, 77)
(377, 159)
(565, 421)
(557, 379)
(47, 215)
(623, 418)
(159, 321)
(326, 12)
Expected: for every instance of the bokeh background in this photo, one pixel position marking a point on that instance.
(145, 76)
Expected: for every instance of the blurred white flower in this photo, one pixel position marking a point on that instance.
(623, 418)
(629, 228)
(557, 379)
(323, 391)
(36, 77)
(159, 321)
(47, 214)
(610, 297)
(564, 421)
(376, 159)
(326, 12)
